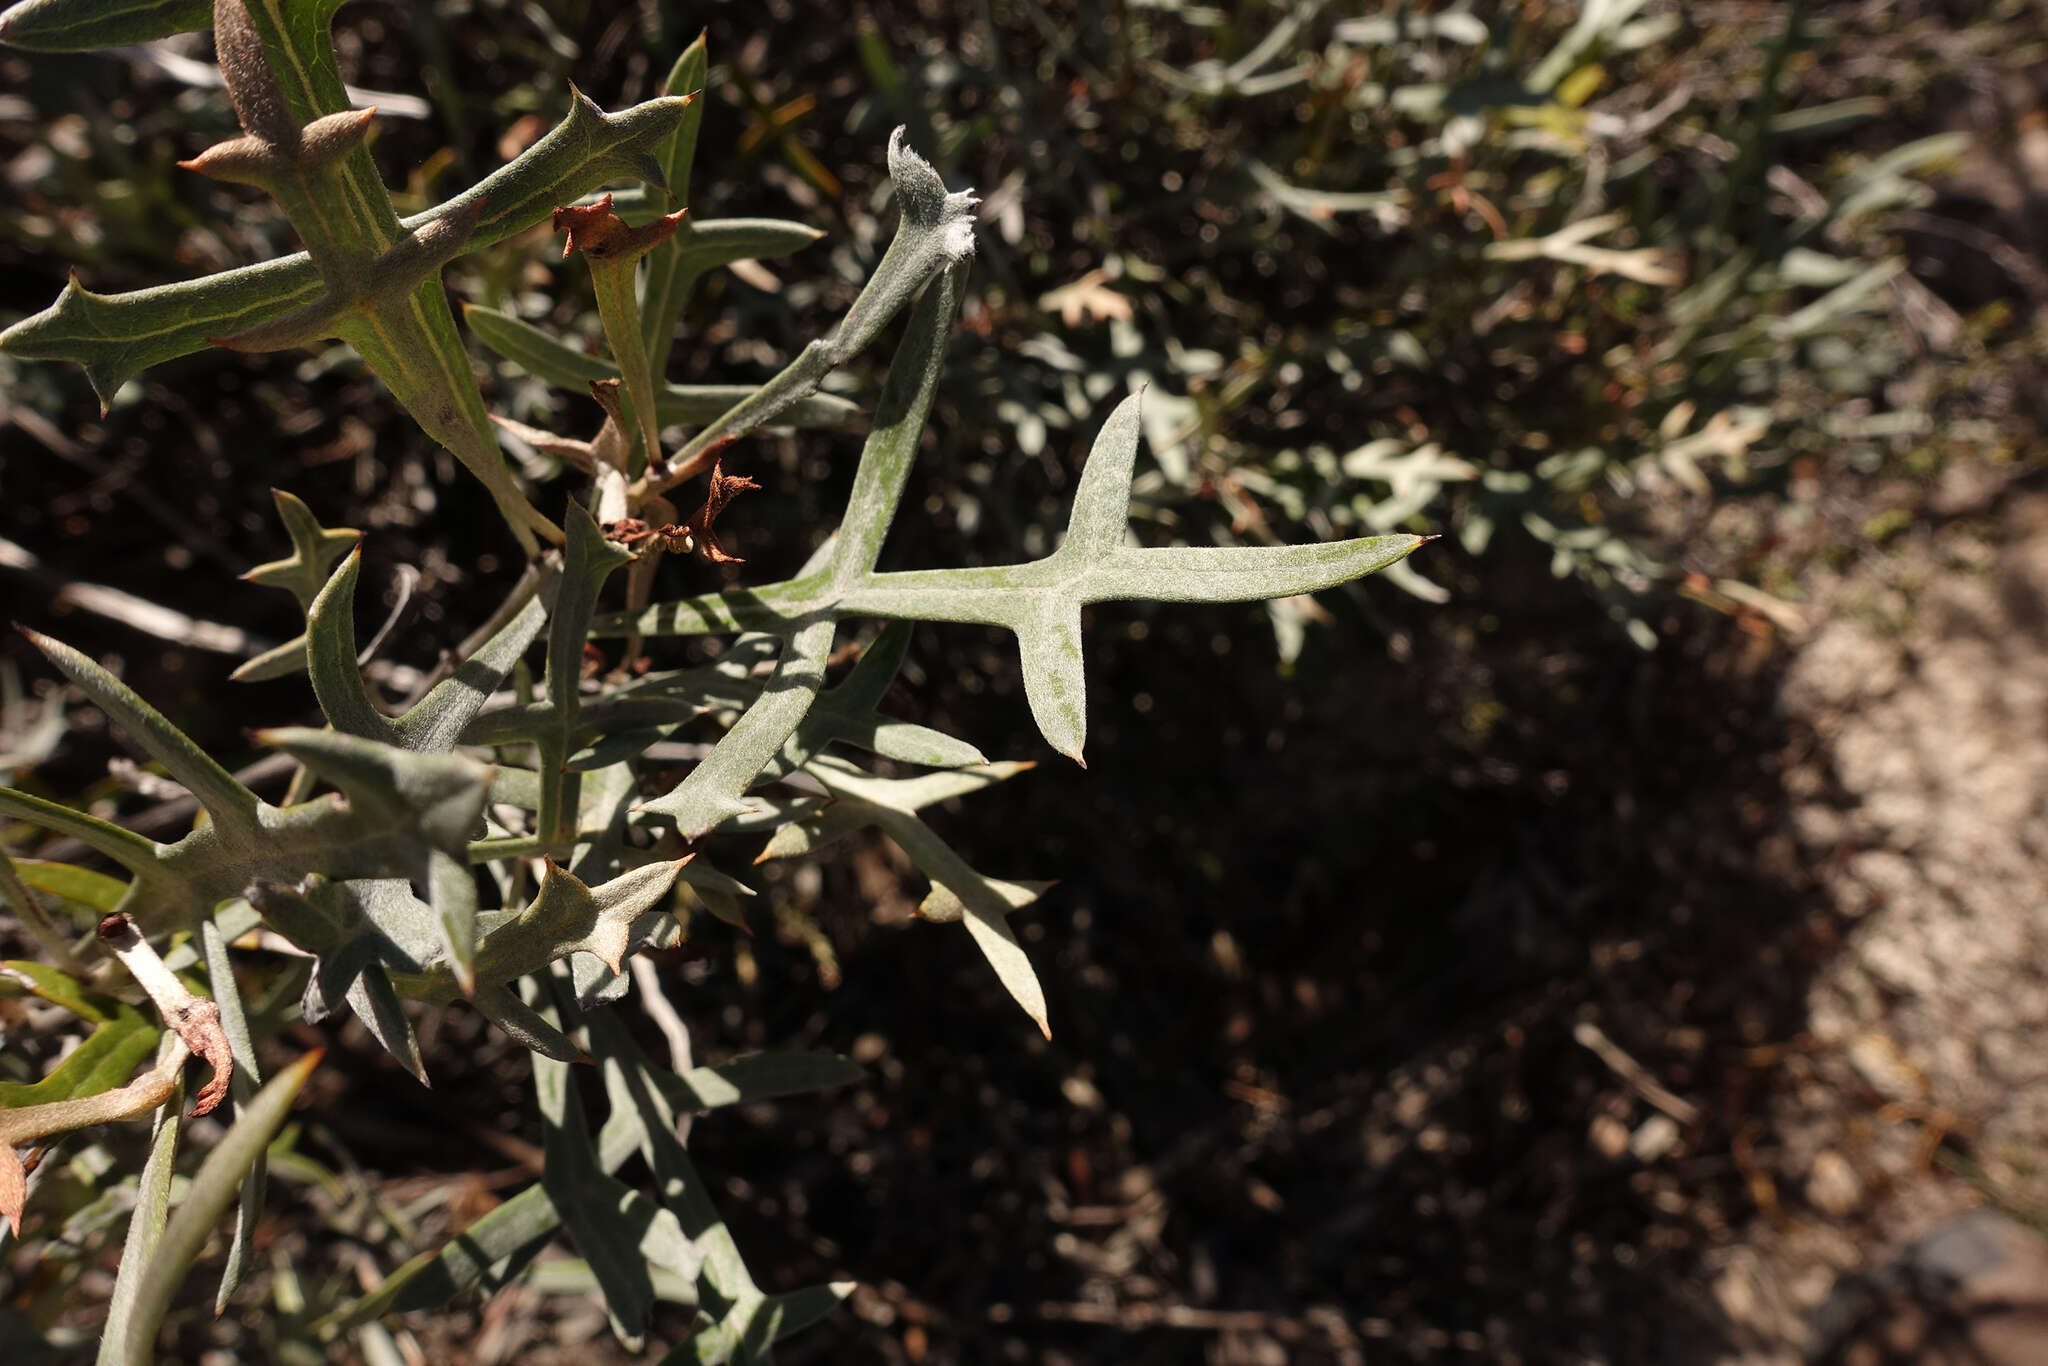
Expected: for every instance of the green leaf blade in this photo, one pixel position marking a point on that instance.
(762, 1076)
(214, 1188)
(82, 25)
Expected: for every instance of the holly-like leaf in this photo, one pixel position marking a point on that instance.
(315, 549)
(1040, 602)
(118, 336)
(226, 800)
(433, 724)
(934, 235)
(360, 932)
(565, 917)
(710, 795)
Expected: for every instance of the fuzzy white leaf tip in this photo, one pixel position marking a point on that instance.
(926, 202)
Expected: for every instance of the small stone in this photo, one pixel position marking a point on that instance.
(1609, 1136)
(1657, 1136)
(1832, 1186)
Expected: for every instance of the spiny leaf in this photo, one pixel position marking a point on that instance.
(359, 932)
(125, 847)
(1040, 602)
(847, 714)
(397, 811)
(224, 798)
(588, 561)
(566, 917)
(315, 549)
(431, 725)
(891, 447)
(993, 936)
(710, 794)
(117, 336)
(936, 233)
(375, 1001)
(438, 797)
(523, 1024)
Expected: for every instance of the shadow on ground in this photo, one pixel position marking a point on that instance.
(1434, 1002)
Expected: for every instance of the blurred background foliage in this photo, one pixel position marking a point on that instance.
(1652, 310)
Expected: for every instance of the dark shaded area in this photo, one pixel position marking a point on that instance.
(1320, 979)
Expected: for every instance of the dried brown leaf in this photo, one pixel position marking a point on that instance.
(724, 488)
(605, 239)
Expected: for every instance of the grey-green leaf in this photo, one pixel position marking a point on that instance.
(541, 354)
(763, 1076)
(117, 336)
(145, 1227)
(213, 1189)
(605, 1217)
(227, 996)
(224, 798)
(709, 796)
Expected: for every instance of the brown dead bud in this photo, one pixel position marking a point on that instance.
(605, 239)
(636, 534)
(605, 392)
(723, 489)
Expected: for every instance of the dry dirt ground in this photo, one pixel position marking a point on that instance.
(1920, 1089)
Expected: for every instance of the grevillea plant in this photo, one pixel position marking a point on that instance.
(502, 842)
